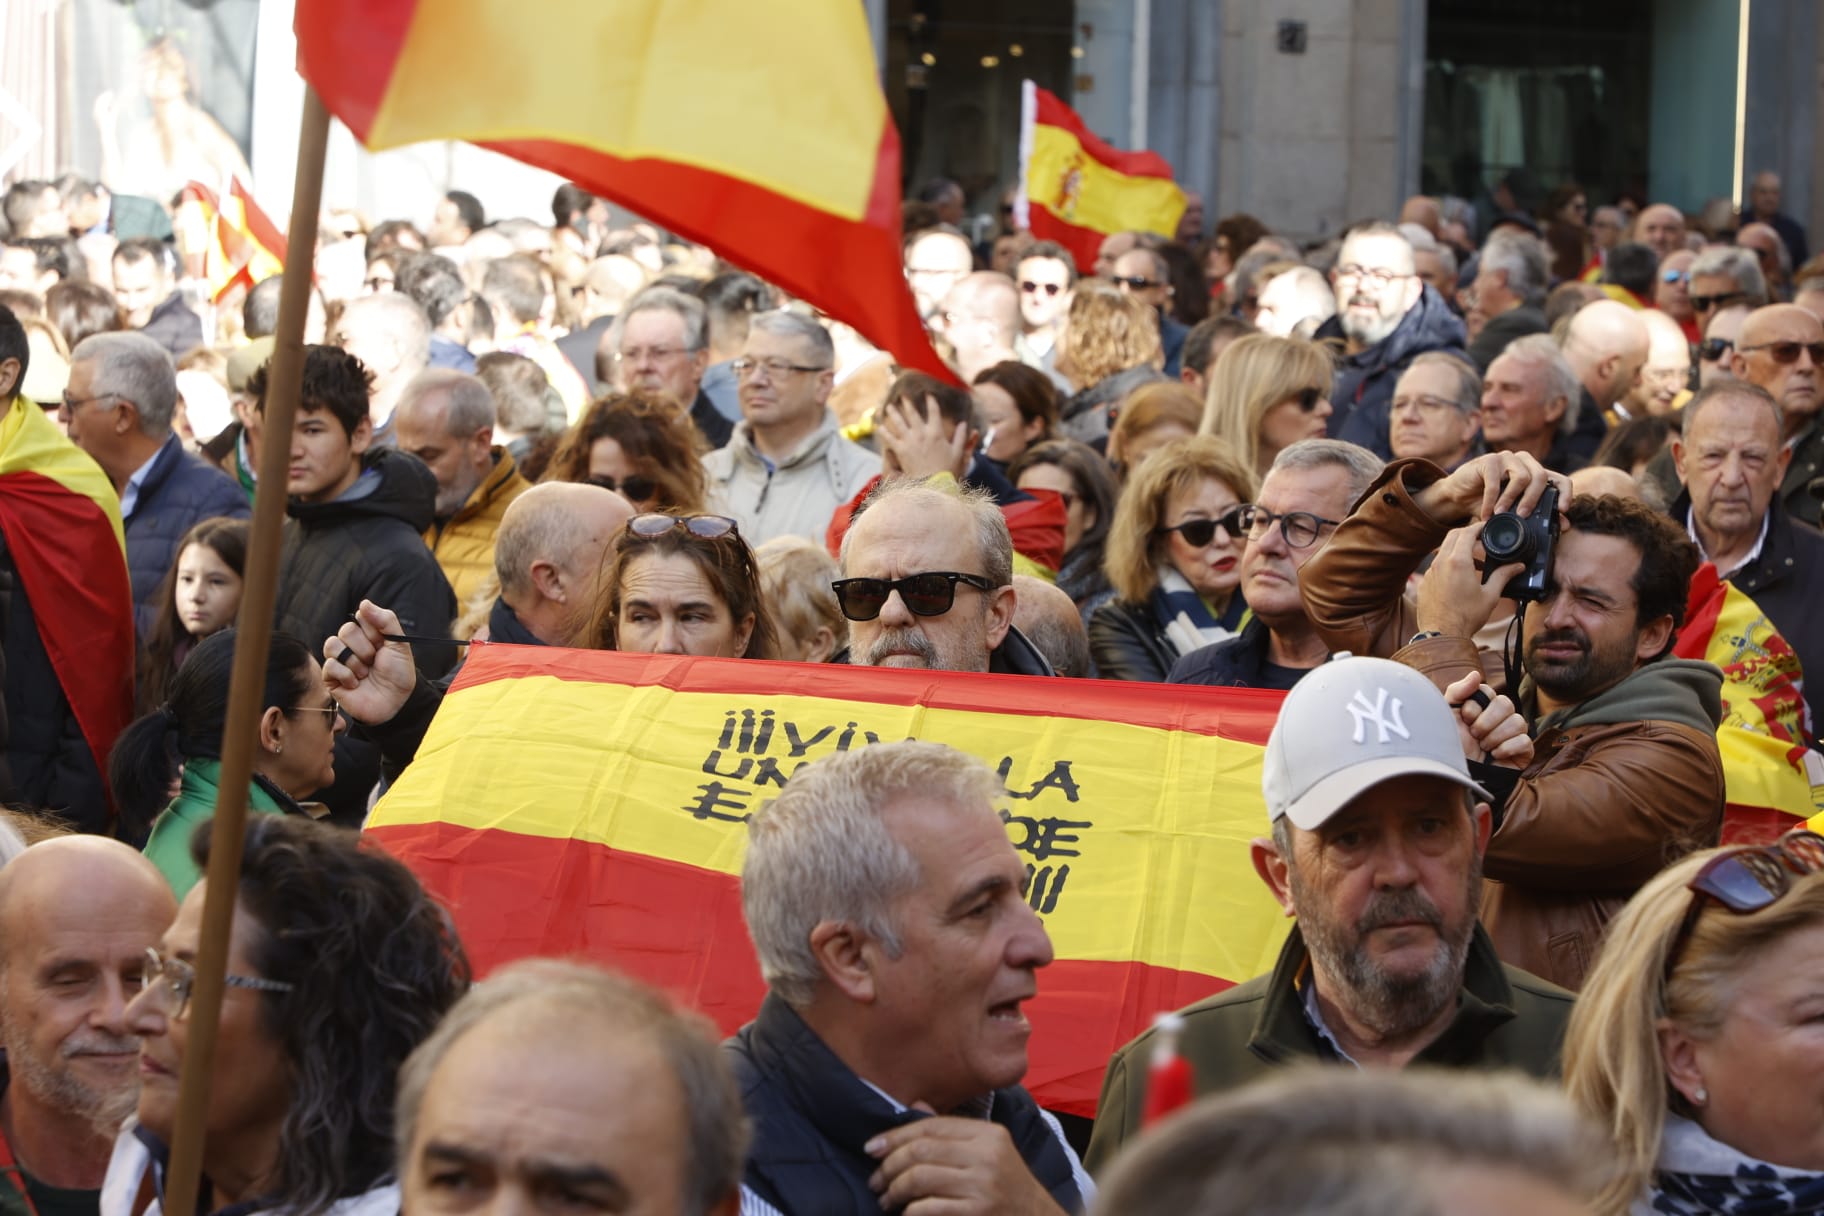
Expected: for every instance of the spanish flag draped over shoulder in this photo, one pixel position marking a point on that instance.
(590, 803)
(61, 519)
(1076, 189)
(239, 244)
(757, 129)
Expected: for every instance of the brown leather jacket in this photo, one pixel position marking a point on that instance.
(1619, 786)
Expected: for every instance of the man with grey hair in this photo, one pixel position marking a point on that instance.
(637, 1113)
(927, 582)
(1530, 399)
(1378, 831)
(1437, 410)
(1294, 303)
(117, 407)
(883, 1069)
(1438, 267)
(1770, 251)
(786, 467)
(1723, 276)
(391, 334)
(446, 419)
(1606, 345)
(1304, 495)
(661, 345)
(1386, 317)
(1511, 277)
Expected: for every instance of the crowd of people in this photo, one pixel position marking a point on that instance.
(1495, 791)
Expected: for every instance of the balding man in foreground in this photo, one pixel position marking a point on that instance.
(77, 915)
(884, 1067)
(637, 1113)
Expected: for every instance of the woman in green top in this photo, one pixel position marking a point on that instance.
(295, 757)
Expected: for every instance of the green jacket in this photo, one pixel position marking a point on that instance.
(1505, 1019)
(169, 844)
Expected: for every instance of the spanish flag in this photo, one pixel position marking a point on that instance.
(1772, 780)
(238, 244)
(593, 803)
(757, 129)
(61, 521)
(1075, 189)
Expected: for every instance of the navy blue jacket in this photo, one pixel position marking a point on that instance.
(1361, 400)
(180, 490)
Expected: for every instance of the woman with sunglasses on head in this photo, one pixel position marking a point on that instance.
(339, 965)
(638, 446)
(295, 758)
(1697, 1041)
(1174, 558)
(1267, 393)
(1076, 473)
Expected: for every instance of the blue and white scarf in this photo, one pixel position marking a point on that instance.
(1698, 1175)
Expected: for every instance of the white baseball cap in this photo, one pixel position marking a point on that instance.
(1351, 724)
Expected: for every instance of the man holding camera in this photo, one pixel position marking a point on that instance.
(1625, 775)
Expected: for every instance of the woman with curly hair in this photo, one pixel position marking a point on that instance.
(1109, 347)
(639, 446)
(339, 965)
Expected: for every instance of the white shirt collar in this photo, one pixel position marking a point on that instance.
(1753, 554)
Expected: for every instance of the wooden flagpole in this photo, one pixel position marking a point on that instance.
(253, 641)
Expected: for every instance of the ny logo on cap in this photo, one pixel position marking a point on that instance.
(1363, 712)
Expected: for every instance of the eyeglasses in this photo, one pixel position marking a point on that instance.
(1135, 282)
(1299, 529)
(775, 369)
(1788, 352)
(1308, 398)
(1200, 532)
(928, 594)
(1031, 289)
(1423, 402)
(72, 404)
(179, 978)
(635, 487)
(332, 710)
(1374, 278)
(1710, 350)
(648, 354)
(1706, 303)
(707, 527)
(1676, 276)
(1748, 879)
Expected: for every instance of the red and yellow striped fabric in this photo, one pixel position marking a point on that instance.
(1076, 189)
(1771, 779)
(236, 243)
(61, 519)
(592, 803)
(759, 130)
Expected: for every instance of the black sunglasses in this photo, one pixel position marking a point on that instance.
(1788, 352)
(1706, 303)
(1199, 532)
(1748, 879)
(635, 487)
(1308, 398)
(1710, 350)
(1032, 289)
(708, 527)
(927, 594)
(1136, 282)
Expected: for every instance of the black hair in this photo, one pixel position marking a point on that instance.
(570, 201)
(334, 381)
(260, 310)
(374, 964)
(146, 249)
(469, 208)
(188, 725)
(1054, 252)
(13, 344)
(433, 282)
(1200, 343)
(79, 308)
(167, 640)
(1632, 265)
(1668, 559)
(48, 252)
(732, 293)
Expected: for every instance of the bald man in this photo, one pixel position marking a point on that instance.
(546, 554)
(936, 261)
(1665, 378)
(981, 317)
(1661, 227)
(1606, 346)
(1049, 618)
(1424, 211)
(1780, 349)
(77, 915)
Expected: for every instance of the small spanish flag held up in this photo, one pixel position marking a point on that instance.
(239, 246)
(1075, 189)
(759, 130)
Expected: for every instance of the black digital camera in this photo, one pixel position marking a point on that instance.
(1508, 538)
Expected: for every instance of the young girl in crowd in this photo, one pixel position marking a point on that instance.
(202, 593)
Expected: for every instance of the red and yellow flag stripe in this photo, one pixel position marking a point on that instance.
(581, 802)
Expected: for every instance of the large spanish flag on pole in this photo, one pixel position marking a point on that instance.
(1075, 189)
(757, 129)
(592, 803)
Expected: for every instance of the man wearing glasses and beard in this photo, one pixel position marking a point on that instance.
(927, 583)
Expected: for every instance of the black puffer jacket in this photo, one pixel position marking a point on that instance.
(1362, 396)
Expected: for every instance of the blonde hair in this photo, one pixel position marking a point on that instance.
(1150, 406)
(1133, 554)
(1107, 331)
(1613, 1068)
(1252, 376)
(795, 578)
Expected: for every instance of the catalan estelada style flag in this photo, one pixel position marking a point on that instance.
(592, 803)
(759, 130)
(61, 520)
(1772, 780)
(240, 246)
(1076, 189)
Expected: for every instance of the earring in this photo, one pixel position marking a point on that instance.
(278, 749)
(1701, 1096)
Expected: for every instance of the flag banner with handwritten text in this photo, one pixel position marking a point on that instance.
(592, 804)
